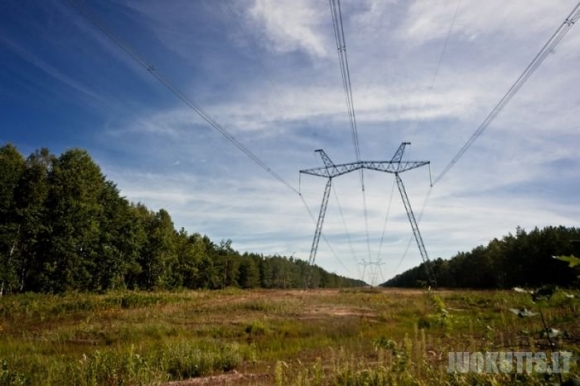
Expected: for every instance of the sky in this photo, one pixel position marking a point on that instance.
(266, 71)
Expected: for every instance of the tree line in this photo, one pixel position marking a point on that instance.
(524, 259)
(65, 227)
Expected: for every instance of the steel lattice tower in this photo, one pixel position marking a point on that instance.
(395, 166)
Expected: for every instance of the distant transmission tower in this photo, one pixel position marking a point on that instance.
(394, 166)
(373, 273)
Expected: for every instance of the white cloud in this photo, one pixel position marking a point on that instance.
(52, 71)
(499, 184)
(429, 20)
(289, 26)
(521, 171)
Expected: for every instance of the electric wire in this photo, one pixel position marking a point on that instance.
(344, 223)
(84, 11)
(366, 221)
(536, 62)
(386, 219)
(338, 27)
(322, 234)
(552, 42)
(419, 119)
(437, 68)
(380, 270)
(97, 22)
(345, 228)
(411, 238)
(251, 44)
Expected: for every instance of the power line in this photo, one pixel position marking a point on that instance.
(385, 223)
(536, 62)
(273, 84)
(438, 67)
(530, 69)
(338, 27)
(418, 118)
(345, 227)
(322, 234)
(85, 11)
(270, 79)
(411, 238)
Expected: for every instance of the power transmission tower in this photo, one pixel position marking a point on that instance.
(364, 264)
(395, 166)
(374, 274)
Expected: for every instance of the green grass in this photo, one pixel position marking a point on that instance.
(286, 337)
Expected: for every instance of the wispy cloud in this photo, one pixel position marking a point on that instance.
(522, 171)
(50, 70)
(428, 21)
(291, 26)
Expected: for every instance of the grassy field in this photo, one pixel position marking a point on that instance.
(274, 337)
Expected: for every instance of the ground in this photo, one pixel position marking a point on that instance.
(273, 337)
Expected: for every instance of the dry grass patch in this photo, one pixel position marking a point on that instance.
(265, 337)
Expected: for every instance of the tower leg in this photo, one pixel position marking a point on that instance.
(318, 230)
(416, 233)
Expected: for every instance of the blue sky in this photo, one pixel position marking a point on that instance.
(267, 71)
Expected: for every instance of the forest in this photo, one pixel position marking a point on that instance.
(65, 227)
(525, 259)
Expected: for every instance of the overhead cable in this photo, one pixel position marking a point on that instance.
(80, 6)
(254, 50)
(348, 238)
(536, 62)
(338, 26)
(386, 219)
(97, 22)
(322, 234)
(437, 68)
(344, 70)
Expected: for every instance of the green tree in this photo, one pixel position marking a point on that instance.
(266, 272)
(73, 210)
(248, 273)
(120, 239)
(207, 275)
(12, 166)
(31, 196)
(227, 262)
(158, 257)
(523, 259)
(189, 253)
(63, 227)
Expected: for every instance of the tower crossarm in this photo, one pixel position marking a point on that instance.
(392, 167)
(335, 171)
(331, 169)
(381, 166)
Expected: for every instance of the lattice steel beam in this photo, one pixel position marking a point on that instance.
(394, 166)
(416, 233)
